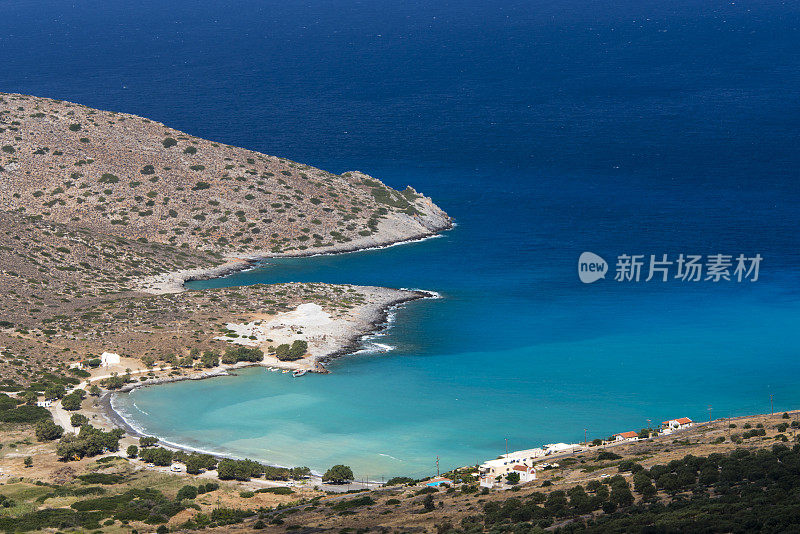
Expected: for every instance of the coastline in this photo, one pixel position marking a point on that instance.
(377, 322)
(175, 282)
(378, 318)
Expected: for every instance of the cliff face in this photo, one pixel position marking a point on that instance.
(128, 176)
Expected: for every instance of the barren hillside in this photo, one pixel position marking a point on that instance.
(135, 178)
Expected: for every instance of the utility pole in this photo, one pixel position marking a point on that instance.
(437, 466)
(506, 447)
(585, 439)
(771, 404)
(709, 413)
(649, 428)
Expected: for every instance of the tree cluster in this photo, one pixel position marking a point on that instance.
(242, 354)
(90, 441)
(288, 353)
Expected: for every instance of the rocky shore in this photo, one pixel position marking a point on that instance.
(390, 234)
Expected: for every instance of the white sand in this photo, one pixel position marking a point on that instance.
(308, 322)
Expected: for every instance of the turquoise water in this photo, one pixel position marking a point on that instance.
(546, 128)
(492, 359)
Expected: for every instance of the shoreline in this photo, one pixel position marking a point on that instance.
(175, 282)
(377, 323)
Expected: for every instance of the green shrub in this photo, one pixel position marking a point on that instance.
(607, 455)
(229, 516)
(186, 492)
(47, 430)
(286, 353)
(207, 487)
(195, 462)
(169, 142)
(366, 500)
(90, 442)
(101, 478)
(242, 354)
(51, 518)
(25, 414)
(147, 441)
(72, 402)
(229, 469)
(338, 474)
(157, 456)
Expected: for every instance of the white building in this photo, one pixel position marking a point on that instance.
(526, 474)
(521, 462)
(626, 436)
(109, 358)
(44, 403)
(504, 464)
(676, 424)
(557, 448)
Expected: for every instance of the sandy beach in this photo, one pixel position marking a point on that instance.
(328, 338)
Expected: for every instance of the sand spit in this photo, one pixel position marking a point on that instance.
(173, 282)
(390, 234)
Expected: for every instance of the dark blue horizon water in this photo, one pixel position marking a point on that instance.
(545, 128)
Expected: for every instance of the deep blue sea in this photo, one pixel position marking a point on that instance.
(546, 129)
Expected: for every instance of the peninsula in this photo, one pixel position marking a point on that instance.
(106, 214)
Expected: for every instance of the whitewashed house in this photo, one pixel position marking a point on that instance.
(526, 473)
(676, 424)
(626, 436)
(44, 403)
(504, 464)
(521, 462)
(109, 358)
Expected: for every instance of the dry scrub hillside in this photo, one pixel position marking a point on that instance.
(135, 178)
(66, 295)
(48, 270)
(165, 329)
